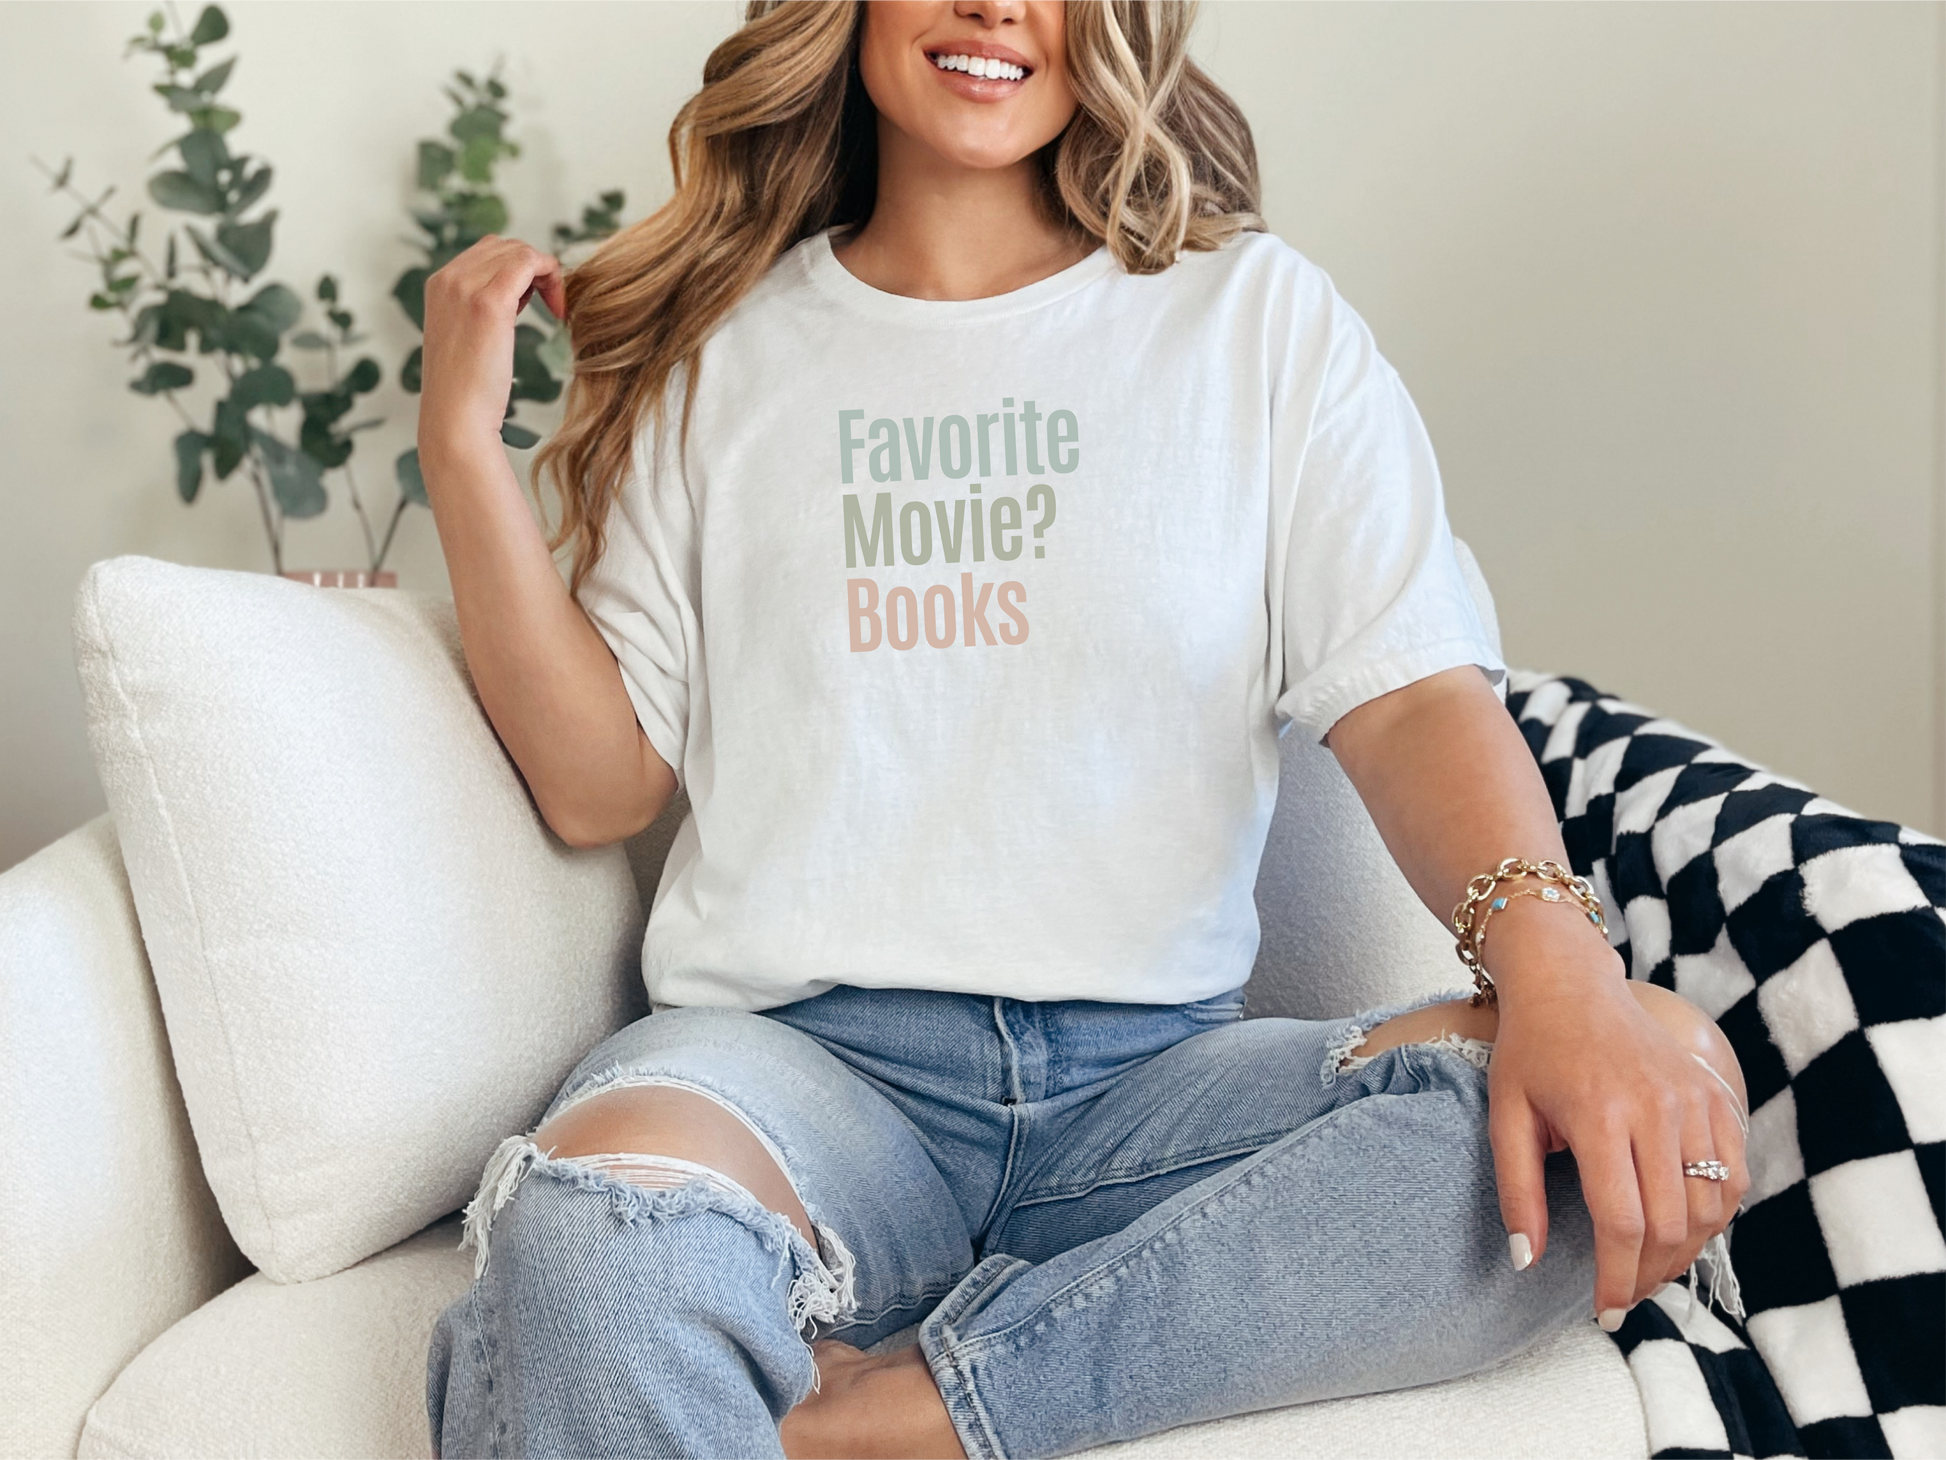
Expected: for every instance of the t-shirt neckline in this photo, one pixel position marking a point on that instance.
(835, 281)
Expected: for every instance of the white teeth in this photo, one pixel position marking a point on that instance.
(989, 67)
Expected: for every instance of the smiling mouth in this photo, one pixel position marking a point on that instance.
(988, 68)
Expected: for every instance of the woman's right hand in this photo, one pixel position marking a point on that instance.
(467, 369)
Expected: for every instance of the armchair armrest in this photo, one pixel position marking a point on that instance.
(108, 1231)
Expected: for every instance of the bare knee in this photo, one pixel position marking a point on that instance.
(657, 1120)
(1694, 1030)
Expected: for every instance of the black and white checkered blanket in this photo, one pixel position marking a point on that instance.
(1817, 940)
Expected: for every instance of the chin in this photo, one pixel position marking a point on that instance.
(980, 152)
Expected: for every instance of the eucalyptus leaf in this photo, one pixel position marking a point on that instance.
(214, 251)
(253, 187)
(318, 441)
(326, 407)
(216, 118)
(181, 98)
(263, 385)
(410, 291)
(412, 482)
(211, 26)
(558, 355)
(205, 154)
(310, 340)
(363, 377)
(436, 163)
(228, 440)
(295, 479)
(162, 375)
(249, 242)
(477, 157)
(169, 259)
(410, 371)
(212, 80)
(169, 324)
(185, 193)
(532, 379)
(190, 446)
(518, 437)
(478, 123)
(481, 214)
(245, 333)
(277, 305)
(327, 289)
(74, 227)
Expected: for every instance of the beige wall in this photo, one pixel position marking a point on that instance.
(1666, 282)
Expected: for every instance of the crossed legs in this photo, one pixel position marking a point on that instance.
(863, 1404)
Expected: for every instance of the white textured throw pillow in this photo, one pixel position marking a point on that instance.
(1342, 929)
(374, 959)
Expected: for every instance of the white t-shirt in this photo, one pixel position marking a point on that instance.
(970, 626)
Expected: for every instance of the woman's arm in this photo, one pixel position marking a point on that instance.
(548, 680)
(1577, 1062)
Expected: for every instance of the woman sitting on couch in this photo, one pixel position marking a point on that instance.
(965, 493)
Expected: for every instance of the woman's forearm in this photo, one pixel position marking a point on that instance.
(548, 681)
(1454, 791)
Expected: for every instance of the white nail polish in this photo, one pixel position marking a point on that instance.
(1611, 1319)
(1521, 1250)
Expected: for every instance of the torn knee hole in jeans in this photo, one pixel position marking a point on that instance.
(643, 1186)
(1339, 1059)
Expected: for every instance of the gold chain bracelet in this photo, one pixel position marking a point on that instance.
(1476, 909)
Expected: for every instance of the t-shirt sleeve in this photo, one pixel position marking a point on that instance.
(641, 592)
(1372, 595)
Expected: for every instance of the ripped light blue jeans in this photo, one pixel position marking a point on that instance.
(1104, 1219)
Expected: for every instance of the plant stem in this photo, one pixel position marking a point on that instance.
(364, 522)
(351, 479)
(263, 505)
(397, 512)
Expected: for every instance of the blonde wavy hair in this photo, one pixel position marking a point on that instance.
(781, 143)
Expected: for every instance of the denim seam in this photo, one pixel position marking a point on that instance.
(956, 1386)
(1010, 1070)
(961, 1399)
(1196, 1158)
(486, 1354)
(1251, 1177)
(928, 1295)
(1016, 1126)
(1229, 1014)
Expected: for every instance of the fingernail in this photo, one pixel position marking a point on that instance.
(1611, 1319)
(1521, 1250)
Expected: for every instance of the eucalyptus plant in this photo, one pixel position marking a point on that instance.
(457, 172)
(193, 304)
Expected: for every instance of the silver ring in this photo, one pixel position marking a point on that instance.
(1707, 1170)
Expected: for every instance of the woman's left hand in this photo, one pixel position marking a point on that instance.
(1579, 1063)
